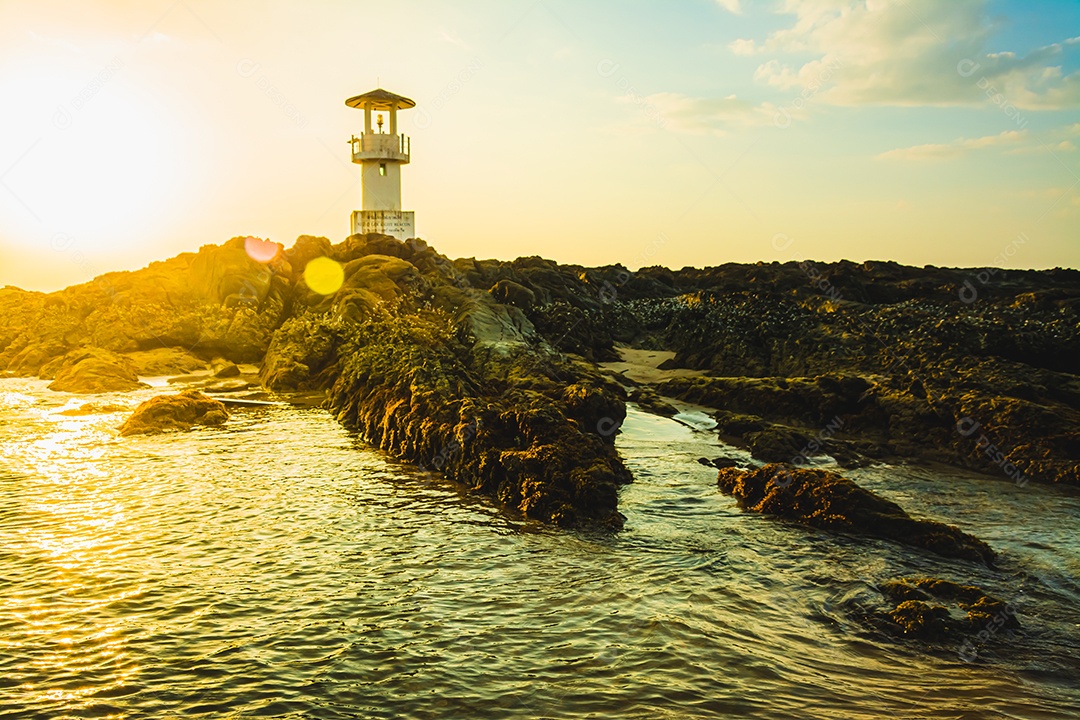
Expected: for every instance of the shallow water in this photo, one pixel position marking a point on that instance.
(278, 567)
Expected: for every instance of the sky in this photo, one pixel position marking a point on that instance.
(695, 132)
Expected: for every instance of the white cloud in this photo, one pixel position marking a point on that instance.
(911, 52)
(1010, 141)
(743, 46)
(732, 6)
(707, 116)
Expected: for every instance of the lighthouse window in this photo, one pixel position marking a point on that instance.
(382, 169)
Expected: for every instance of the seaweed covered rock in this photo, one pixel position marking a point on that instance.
(935, 609)
(425, 364)
(180, 412)
(92, 370)
(503, 421)
(829, 501)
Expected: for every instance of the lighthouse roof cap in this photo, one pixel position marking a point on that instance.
(380, 99)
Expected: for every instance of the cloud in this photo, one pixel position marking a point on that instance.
(1010, 141)
(743, 46)
(732, 6)
(707, 116)
(911, 52)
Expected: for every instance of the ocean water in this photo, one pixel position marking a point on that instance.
(279, 567)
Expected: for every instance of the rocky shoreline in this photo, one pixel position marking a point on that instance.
(512, 378)
(444, 362)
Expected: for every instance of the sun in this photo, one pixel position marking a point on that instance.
(100, 170)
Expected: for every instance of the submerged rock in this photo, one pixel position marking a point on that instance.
(934, 609)
(829, 501)
(93, 370)
(180, 412)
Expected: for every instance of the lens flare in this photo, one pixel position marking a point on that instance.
(259, 250)
(324, 275)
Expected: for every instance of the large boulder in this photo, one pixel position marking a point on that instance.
(180, 412)
(829, 501)
(92, 370)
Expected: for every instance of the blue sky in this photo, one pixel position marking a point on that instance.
(679, 133)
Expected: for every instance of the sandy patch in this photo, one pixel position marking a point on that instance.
(641, 366)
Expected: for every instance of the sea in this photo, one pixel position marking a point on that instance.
(279, 567)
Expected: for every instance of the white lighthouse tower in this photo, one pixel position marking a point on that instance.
(381, 152)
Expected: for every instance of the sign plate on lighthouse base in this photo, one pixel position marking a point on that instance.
(396, 223)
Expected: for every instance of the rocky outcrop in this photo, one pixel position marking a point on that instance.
(428, 367)
(828, 501)
(218, 301)
(92, 370)
(180, 412)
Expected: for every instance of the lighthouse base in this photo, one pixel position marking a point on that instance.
(396, 223)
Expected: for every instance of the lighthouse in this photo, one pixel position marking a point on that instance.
(381, 151)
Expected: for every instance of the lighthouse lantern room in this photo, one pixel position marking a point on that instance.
(381, 151)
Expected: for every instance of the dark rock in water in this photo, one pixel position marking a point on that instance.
(899, 591)
(921, 619)
(829, 501)
(599, 410)
(921, 608)
(93, 370)
(493, 415)
(719, 463)
(166, 413)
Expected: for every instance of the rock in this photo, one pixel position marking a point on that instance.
(497, 416)
(180, 412)
(303, 354)
(93, 370)
(874, 360)
(826, 500)
(719, 462)
(921, 608)
(920, 619)
(228, 370)
(229, 385)
(648, 400)
(600, 410)
(778, 443)
(512, 293)
(163, 361)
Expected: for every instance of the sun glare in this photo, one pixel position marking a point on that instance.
(102, 170)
